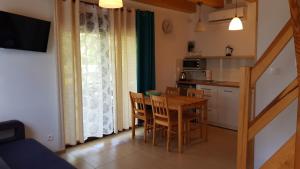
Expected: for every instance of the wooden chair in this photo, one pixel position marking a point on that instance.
(195, 93)
(195, 121)
(172, 91)
(139, 111)
(163, 117)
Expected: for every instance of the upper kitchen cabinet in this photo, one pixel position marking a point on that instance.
(212, 42)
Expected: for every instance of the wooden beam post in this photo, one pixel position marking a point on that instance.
(295, 12)
(245, 110)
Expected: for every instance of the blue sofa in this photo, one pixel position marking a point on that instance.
(16, 152)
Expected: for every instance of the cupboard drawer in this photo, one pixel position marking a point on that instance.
(212, 116)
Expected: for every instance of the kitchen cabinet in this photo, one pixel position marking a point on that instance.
(223, 105)
(211, 94)
(228, 104)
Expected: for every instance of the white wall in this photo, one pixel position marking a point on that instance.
(28, 80)
(216, 37)
(170, 49)
(213, 41)
(228, 69)
(270, 21)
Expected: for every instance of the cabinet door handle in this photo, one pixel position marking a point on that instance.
(227, 91)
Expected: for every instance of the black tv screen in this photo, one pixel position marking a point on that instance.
(24, 33)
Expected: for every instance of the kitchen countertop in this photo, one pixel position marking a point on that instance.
(211, 83)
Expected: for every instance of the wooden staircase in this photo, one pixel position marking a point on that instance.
(288, 156)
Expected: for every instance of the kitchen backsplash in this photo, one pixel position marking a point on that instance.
(223, 69)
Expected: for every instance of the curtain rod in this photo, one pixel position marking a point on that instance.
(95, 3)
(91, 3)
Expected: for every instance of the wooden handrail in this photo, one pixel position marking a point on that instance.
(245, 108)
(287, 90)
(272, 52)
(284, 99)
(288, 156)
(295, 13)
(283, 158)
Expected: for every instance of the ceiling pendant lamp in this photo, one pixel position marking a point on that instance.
(200, 27)
(111, 3)
(236, 23)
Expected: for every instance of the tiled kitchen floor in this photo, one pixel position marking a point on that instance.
(121, 152)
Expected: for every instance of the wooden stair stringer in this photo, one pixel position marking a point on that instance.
(284, 157)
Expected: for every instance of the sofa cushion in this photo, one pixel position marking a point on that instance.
(29, 154)
(3, 164)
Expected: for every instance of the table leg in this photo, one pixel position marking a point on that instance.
(180, 130)
(133, 126)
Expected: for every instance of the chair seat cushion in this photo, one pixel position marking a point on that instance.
(29, 154)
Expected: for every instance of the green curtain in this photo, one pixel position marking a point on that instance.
(145, 51)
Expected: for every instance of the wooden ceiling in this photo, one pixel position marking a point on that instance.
(211, 3)
(179, 5)
(188, 6)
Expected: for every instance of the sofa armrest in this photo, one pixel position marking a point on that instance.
(17, 127)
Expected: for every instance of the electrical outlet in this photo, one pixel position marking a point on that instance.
(50, 137)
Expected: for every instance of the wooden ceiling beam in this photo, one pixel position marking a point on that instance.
(179, 5)
(211, 3)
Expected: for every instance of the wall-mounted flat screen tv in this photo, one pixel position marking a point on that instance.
(24, 33)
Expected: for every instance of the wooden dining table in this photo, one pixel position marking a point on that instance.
(180, 104)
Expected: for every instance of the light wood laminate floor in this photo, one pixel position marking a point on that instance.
(121, 152)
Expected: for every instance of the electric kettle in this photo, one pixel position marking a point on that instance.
(229, 51)
(182, 76)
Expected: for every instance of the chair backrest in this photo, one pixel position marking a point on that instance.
(160, 108)
(172, 91)
(195, 93)
(138, 103)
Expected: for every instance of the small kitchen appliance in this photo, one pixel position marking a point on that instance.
(194, 64)
(208, 75)
(182, 76)
(229, 50)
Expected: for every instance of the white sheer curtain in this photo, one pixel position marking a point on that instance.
(123, 47)
(97, 58)
(108, 63)
(97, 72)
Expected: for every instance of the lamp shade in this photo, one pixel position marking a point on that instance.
(236, 24)
(111, 3)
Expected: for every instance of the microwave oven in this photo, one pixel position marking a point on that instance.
(194, 64)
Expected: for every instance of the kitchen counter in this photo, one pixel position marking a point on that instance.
(211, 83)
